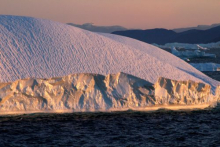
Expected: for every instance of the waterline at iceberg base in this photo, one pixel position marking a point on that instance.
(85, 92)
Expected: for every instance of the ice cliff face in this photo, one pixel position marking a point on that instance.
(78, 92)
(188, 92)
(93, 92)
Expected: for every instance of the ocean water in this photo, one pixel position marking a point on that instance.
(159, 128)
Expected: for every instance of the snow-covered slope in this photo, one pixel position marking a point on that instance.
(31, 47)
(93, 92)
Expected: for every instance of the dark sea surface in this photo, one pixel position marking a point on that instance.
(159, 128)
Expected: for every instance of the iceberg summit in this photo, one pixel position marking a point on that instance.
(35, 50)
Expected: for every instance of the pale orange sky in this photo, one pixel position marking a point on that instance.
(144, 14)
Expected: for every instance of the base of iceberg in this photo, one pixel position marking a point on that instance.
(145, 109)
(94, 92)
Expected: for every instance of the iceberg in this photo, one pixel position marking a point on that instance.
(33, 50)
(206, 66)
(190, 46)
(191, 54)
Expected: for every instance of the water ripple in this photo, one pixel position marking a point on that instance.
(161, 128)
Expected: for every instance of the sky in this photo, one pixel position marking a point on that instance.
(143, 14)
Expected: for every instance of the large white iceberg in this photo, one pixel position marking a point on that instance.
(37, 48)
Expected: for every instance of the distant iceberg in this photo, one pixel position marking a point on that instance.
(206, 66)
(191, 54)
(190, 46)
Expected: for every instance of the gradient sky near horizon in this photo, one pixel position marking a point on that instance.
(144, 14)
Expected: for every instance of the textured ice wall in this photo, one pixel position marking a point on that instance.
(92, 92)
